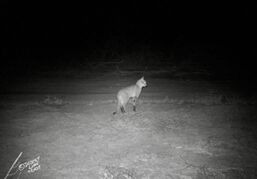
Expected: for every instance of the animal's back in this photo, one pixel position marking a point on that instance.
(130, 90)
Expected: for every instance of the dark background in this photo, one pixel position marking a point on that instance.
(42, 35)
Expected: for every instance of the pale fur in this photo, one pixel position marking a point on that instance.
(130, 92)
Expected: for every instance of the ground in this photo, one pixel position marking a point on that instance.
(182, 129)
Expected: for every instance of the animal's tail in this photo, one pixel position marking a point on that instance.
(117, 109)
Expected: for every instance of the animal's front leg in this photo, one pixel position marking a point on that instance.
(122, 109)
(134, 101)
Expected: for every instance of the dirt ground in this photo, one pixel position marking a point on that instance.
(182, 129)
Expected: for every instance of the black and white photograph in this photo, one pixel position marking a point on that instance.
(128, 90)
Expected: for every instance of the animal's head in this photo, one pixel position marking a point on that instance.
(141, 82)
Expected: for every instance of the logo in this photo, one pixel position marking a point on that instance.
(32, 165)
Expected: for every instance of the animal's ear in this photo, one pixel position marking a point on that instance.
(142, 78)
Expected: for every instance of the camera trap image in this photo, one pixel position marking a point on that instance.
(128, 91)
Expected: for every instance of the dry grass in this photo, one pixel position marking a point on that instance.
(180, 133)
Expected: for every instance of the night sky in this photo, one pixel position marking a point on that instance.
(44, 32)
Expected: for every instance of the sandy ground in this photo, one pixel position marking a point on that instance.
(182, 129)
